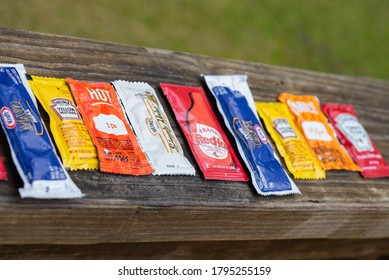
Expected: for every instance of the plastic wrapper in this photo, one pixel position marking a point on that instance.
(68, 129)
(209, 144)
(152, 128)
(32, 151)
(356, 140)
(320, 137)
(3, 172)
(267, 173)
(290, 143)
(117, 147)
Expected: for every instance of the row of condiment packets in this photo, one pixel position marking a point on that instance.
(127, 124)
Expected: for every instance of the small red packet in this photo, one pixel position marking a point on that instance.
(355, 139)
(3, 172)
(209, 144)
(117, 146)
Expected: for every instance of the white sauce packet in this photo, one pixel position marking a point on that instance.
(152, 128)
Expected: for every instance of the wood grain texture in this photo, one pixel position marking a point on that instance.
(207, 250)
(120, 209)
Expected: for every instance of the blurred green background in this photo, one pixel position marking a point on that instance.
(349, 37)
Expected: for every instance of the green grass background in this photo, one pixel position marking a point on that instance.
(349, 37)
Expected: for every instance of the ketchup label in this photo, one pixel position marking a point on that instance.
(356, 140)
(354, 132)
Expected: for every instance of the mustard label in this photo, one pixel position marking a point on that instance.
(65, 109)
(68, 129)
(289, 142)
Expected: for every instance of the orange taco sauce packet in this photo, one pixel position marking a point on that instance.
(320, 137)
(117, 146)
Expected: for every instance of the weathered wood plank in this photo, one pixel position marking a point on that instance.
(207, 250)
(178, 208)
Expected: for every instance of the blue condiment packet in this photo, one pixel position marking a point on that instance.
(32, 150)
(238, 111)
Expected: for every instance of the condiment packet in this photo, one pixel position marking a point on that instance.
(267, 173)
(3, 172)
(152, 128)
(32, 151)
(318, 134)
(355, 139)
(68, 129)
(210, 146)
(290, 143)
(117, 147)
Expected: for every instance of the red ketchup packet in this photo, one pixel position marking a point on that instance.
(210, 146)
(355, 139)
(3, 173)
(117, 146)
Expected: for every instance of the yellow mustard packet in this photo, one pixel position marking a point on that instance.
(289, 142)
(67, 127)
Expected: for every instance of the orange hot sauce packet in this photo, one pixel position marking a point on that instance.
(117, 146)
(313, 124)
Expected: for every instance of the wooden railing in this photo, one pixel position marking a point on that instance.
(342, 216)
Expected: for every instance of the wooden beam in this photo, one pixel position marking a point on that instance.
(120, 209)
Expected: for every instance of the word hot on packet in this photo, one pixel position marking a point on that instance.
(289, 141)
(209, 144)
(355, 139)
(236, 104)
(68, 129)
(117, 147)
(33, 153)
(152, 128)
(319, 135)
